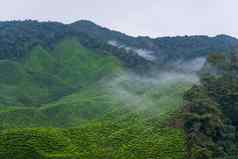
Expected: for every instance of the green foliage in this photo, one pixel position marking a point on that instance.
(204, 123)
(32, 143)
(17, 38)
(96, 140)
(110, 127)
(216, 59)
(77, 64)
(99, 101)
(41, 78)
(169, 48)
(224, 89)
(210, 108)
(56, 75)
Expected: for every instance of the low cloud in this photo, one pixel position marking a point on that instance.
(136, 91)
(189, 66)
(146, 54)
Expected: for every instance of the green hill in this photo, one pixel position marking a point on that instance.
(66, 93)
(101, 101)
(84, 104)
(41, 78)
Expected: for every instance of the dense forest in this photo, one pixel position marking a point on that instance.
(18, 37)
(81, 91)
(211, 110)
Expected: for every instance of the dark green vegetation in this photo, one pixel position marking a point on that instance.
(167, 49)
(18, 37)
(211, 111)
(66, 93)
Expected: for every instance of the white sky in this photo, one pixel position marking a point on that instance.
(134, 17)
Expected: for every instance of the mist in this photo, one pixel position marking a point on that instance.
(190, 66)
(146, 54)
(144, 93)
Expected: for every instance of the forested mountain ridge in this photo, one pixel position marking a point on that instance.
(18, 37)
(163, 48)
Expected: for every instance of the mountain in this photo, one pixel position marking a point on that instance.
(162, 49)
(17, 37)
(83, 91)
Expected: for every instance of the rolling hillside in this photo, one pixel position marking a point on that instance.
(83, 91)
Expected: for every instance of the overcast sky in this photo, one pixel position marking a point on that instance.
(134, 17)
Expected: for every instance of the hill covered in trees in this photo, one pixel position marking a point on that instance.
(211, 110)
(83, 91)
(18, 37)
